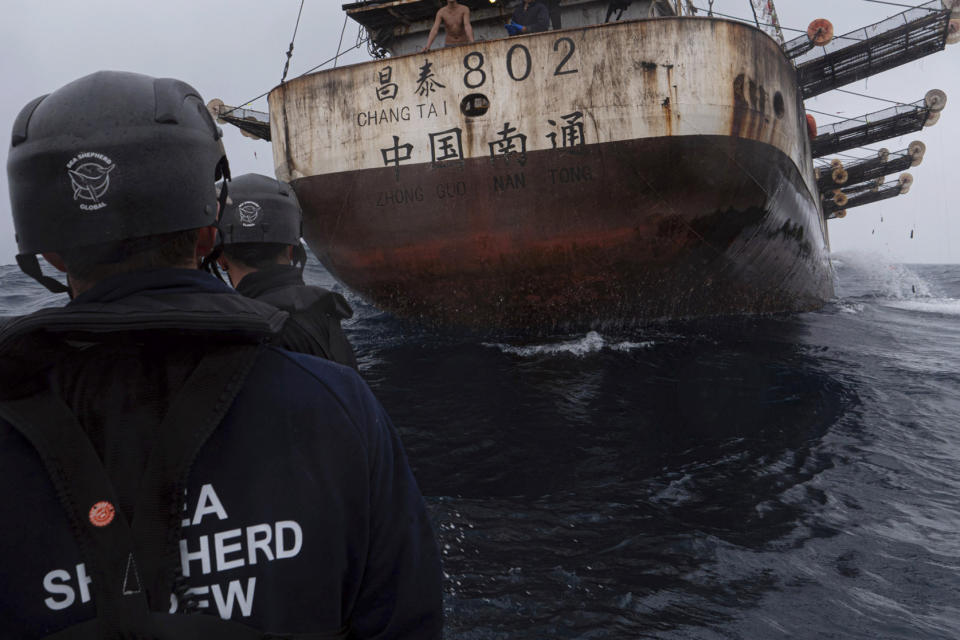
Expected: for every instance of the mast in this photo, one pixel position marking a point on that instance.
(767, 18)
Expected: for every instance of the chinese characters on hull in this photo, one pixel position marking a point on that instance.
(396, 154)
(509, 144)
(426, 84)
(447, 146)
(565, 132)
(571, 133)
(387, 90)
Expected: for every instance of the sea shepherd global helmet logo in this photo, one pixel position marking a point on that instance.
(90, 177)
(249, 212)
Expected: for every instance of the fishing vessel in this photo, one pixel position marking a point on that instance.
(642, 162)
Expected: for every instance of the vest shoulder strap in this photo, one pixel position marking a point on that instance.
(86, 493)
(133, 567)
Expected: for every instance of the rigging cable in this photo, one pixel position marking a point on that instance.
(756, 19)
(831, 115)
(852, 157)
(311, 70)
(340, 44)
(334, 58)
(905, 6)
(743, 20)
(286, 66)
(863, 95)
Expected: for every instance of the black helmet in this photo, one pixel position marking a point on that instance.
(260, 209)
(109, 157)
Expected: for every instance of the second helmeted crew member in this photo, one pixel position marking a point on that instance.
(260, 228)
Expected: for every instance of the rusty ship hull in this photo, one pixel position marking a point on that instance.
(636, 171)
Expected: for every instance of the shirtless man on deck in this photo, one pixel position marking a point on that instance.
(456, 21)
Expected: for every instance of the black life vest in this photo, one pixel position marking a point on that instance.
(133, 564)
(315, 313)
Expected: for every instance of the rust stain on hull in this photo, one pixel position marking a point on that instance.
(625, 240)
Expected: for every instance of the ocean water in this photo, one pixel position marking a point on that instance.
(789, 476)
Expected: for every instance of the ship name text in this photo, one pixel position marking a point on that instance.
(566, 175)
(519, 179)
(509, 181)
(411, 195)
(423, 111)
(400, 196)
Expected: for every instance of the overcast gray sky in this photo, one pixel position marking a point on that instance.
(235, 51)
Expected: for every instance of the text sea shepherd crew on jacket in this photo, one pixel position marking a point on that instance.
(159, 458)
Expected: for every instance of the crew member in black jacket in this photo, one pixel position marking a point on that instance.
(532, 16)
(260, 228)
(158, 457)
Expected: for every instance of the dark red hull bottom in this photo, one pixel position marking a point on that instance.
(618, 232)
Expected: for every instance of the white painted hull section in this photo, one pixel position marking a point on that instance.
(649, 78)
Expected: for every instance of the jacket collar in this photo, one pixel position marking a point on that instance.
(177, 302)
(260, 282)
(152, 282)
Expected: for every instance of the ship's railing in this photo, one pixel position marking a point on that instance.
(837, 174)
(796, 47)
(400, 27)
(907, 36)
(874, 127)
(871, 186)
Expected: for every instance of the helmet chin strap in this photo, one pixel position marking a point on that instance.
(29, 264)
(299, 256)
(209, 262)
(221, 270)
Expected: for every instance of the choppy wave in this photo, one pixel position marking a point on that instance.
(845, 306)
(19, 294)
(941, 306)
(750, 478)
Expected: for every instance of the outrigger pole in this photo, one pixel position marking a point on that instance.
(865, 52)
(836, 207)
(252, 124)
(840, 175)
(878, 126)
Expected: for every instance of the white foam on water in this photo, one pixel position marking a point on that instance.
(850, 307)
(940, 306)
(593, 342)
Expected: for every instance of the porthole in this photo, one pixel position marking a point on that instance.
(778, 106)
(474, 105)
